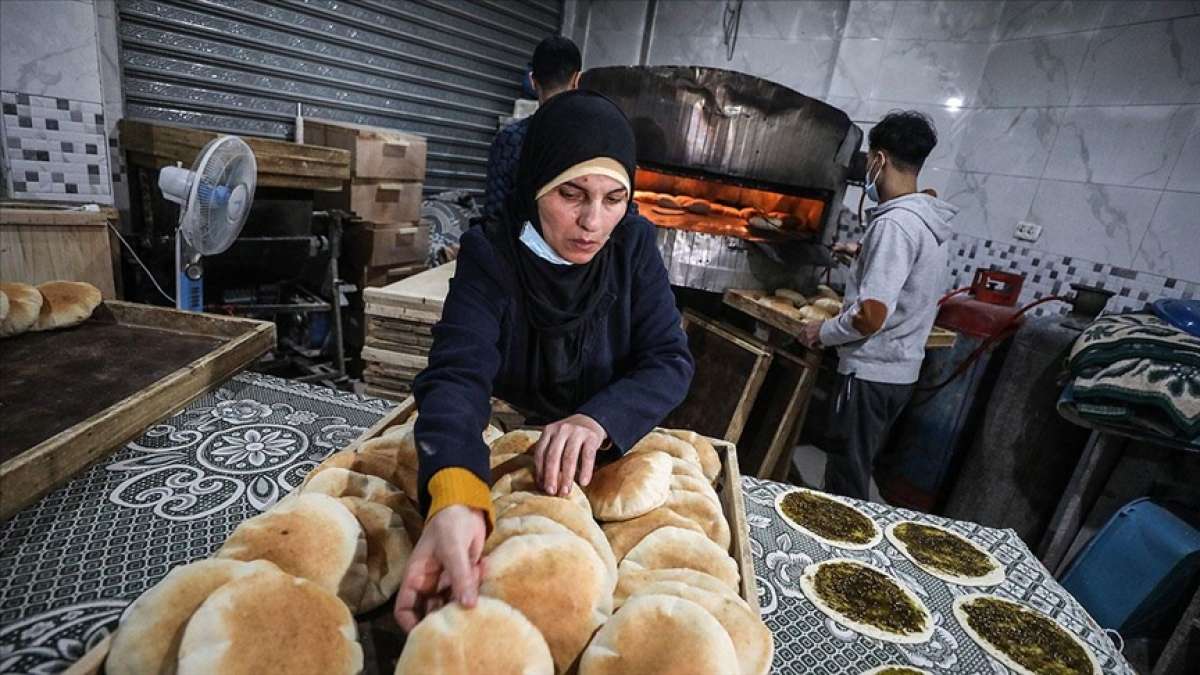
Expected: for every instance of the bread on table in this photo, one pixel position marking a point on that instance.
(630, 486)
(66, 304)
(271, 622)
(24, 305)
(660, 634)
(388, 551)
(490, 638)
(669, 547)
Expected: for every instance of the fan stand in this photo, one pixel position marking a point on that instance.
(189, 276)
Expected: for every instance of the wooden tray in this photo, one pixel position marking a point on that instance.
(69, 397)
(382, 639)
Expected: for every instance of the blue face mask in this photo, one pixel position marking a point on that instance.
(534, 242)
(871, 188)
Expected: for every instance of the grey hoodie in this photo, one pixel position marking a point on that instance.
(902, 264)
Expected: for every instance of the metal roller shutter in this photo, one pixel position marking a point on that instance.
(441, 68)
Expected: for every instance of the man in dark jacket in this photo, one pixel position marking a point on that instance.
(556, 66)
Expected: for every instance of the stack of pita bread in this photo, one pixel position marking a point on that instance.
(280, 594)
(658, 558)
(54, 304)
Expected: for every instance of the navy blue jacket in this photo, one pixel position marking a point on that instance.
(637, 369)
(503, 158)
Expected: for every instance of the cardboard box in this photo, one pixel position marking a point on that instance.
(375, 152)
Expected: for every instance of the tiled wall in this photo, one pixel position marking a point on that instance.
(54, 129)
(1083, 117)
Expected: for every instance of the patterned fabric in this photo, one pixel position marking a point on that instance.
(503, 158)
(1137, 371)
(808, 642)
(448, 214)
(74, 561)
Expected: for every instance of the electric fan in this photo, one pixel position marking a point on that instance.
(214, 200)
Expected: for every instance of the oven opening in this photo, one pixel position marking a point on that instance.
(724, 208)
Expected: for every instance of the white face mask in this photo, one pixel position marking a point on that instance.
(534, 242)
(871, 188)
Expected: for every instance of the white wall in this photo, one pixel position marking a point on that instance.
(1081, 116)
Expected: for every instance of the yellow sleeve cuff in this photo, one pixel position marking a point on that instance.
(455, 485)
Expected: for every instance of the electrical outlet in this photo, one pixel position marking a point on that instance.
(1027, 231)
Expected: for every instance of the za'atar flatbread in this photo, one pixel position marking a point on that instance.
(828, 519)
(867, 600)
(1024, 640)
(896, 670)
(944, 554)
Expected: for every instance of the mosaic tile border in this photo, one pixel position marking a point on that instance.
(1047, 273)
(55, 148)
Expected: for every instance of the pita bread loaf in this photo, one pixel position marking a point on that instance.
(24, 305)
(522, 480)
(270, 622)
(632, 581)
(630, 486)
(704, 512)
(492, 638)
(751, 638)
(66, 304)
(558, 582)
(400, 452)
(669, 547)
(388, 550)
(656, 441)
(663, 635)
(683, 483)
(515, 442)
(338, 482)
(830, 306)
(312, 536)
(565, 513)
(516, 526)
(813, 313)
(626, 534)
(710, 461)
(147, 641)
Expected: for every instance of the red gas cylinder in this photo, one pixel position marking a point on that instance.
(988, 308)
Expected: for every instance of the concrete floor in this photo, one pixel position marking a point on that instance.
(809, 462)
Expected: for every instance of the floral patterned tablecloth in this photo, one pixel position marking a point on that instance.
(72, 562)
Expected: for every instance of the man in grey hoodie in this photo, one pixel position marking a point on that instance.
(898, 274)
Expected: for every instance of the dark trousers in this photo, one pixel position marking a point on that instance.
(860, 417)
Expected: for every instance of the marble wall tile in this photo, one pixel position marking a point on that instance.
(805, 65)
(1039, 71)
(946, 20)
(857, 68)
(1186, 174)
(1136, 146)
(1104, 223)
(917, 71)
(1030, 18)
(855, 108)
(48, 47)
(699, 18)
(686, 50)
(793, 19)
(612, 48)
(990, 205)
(1171, 246)
(1119, 12)
(869, 18)
(617, 15)
(1011, 141)
(1149, 63)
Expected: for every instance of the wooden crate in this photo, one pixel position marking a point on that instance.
(383, 202)
(387, 245)
(38, 245)
(382, 639)
(72, 396)
(280, 163)
(375, 152)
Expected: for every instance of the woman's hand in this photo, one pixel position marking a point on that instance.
(567, 448)
(447, 557)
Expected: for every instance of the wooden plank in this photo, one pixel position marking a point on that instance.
(1100, 457)
(769, 427)
(394, 358)
(425, 291)
(733, 503)
(36, 253)
(33, 473)
(61, 216)
(405, 313)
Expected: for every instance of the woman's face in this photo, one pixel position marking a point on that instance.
(579, 215)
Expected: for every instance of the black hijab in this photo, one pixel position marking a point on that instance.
(562, 302)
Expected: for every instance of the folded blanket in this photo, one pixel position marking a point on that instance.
(1138, 371)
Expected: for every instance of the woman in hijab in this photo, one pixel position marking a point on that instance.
(561, 307)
